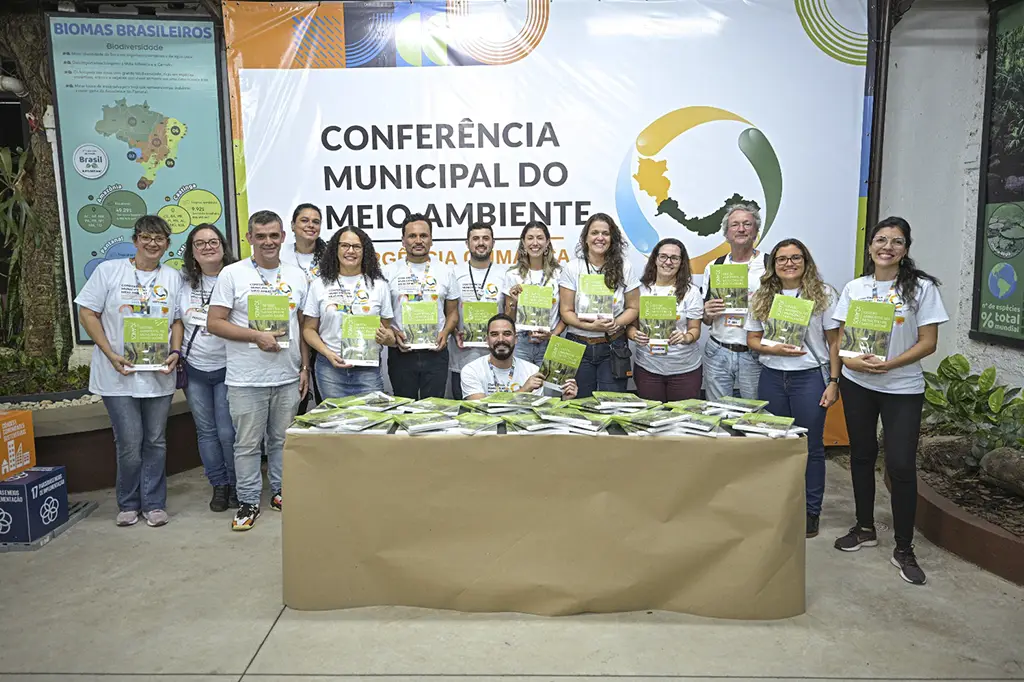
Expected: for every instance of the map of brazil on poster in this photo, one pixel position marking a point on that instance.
(139, 130)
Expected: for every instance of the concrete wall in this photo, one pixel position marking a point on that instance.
(931, 158)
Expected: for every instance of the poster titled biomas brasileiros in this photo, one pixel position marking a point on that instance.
(139, 132)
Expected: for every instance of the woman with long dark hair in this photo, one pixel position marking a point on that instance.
(535, 265)
(306, 247)
(599, 296)
(205, 358)
(350, 282)
(668, 371)
(799, 378)
(891, 388)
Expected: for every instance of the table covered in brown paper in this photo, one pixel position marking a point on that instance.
(548, 525)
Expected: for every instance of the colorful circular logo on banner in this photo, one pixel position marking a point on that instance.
(659, 212)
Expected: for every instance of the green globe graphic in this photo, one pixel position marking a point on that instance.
(1002, 281)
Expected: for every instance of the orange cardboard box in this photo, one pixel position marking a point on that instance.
(17, 443)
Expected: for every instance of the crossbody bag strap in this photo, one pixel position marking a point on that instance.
(190, 340)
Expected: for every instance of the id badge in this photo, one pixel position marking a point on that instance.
(197, 317)
(734, 320)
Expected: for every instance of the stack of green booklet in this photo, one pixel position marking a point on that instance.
(608, 400)
(505, 402)
(377, 401)
(594, 300)
(868, 329)
(689, 405)
(657, 320)
(420, 324)
(729, 405)
(474, 423)
(561, 361)
(654, 419)
(530, 422)
(577, 419)
(270, 314)
(426, 422)
(730, 284)
(787, 321)
(147, 343)
(766, 425)
(475, 315)
(442, 405)
(533, 312)
(359, 345)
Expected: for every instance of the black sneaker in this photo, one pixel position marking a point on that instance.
(275, 501)
(245, 517)
(857, 537)
(812, 525)
(232, 497)
(219, 501)
(905, 560)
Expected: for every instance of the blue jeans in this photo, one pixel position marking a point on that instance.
(258, 412)
(208, 399)
(727, 372)
(341, 383)
(797, 395)
(140, 439)
(531, 352)
(595, 372)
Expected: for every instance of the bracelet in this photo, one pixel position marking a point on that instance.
(304, 368)
(174, 352)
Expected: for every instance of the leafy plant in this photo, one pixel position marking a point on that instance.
(16, 221)
(958, 402)
(21, 374)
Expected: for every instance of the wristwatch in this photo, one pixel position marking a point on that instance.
(304, 368)
(833, 380)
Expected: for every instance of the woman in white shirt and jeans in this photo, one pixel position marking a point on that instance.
(798, 381)
(892, 388)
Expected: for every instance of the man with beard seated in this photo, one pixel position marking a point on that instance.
(501, 370)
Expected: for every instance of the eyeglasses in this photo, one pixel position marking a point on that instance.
(795, 259)
(152, 238)
(350, 247)
(201, 244)
(665, 258)
(746, 223)
(897, 242)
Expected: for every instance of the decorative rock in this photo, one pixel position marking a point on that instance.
(1004, 467)
(950, 456)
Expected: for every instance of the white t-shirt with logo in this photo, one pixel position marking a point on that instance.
(432, 280)
(303, 261)
(569, 278)
(680, 358)
(114, 292)
(349, 295)
(815, 342)
(729, 328)
(252, 366)
(205, 352)
(534, 278)
(908, 379)
(480, 376)
(484, 287)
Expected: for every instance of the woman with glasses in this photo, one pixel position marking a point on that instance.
(668, 371)
(205, 358)
(125, 299)
(535, 266)
(800, 373)
(350, 282)
(601, 285)
(891, 388)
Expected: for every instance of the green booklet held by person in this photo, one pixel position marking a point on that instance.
(730, 284)
(359, 340)
(419, 322)
(594, 300)
(868, 329)
(147, 343)
(270, 314)
(561, 361)
(658, 320)
(533, 312)
(787, 321)
(475, 315)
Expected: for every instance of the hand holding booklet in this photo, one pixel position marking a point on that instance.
(419, 323)
(658, 320)
(787, 321)
(146, 343)
(730, 284)
(561, 361)
(475, 315)
(359, 340)
(868, 329)
(594, 301)
(533, 312)
(270, 313)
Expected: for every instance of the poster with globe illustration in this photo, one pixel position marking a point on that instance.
(507, 112)
(999, 299)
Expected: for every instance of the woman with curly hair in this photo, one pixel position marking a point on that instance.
(350, 282)
(799, 380)
(599, 296)
(535, 265)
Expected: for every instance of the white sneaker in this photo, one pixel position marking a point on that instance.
(127, 518)
(157, 517)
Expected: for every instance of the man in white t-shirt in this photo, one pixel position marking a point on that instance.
(256, 306)
(501, 371)
(730, 367)
(479, 281)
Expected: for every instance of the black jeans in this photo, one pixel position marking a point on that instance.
(901, 422)
(418, 374)
(457, 385)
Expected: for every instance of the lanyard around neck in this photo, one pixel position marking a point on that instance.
(484, 283)
(139, 288)
(874, 290)
(277, 282)
(511, 373)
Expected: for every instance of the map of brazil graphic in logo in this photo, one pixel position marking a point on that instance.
(668, 169)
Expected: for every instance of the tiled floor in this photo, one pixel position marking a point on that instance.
(194, 602)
